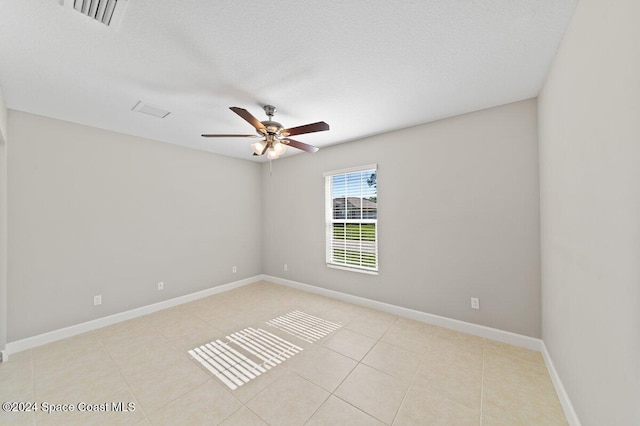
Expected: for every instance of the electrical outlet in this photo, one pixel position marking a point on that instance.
(97, 300)
(286, 268)
(234, 269)
(160, 286)
(475, 303)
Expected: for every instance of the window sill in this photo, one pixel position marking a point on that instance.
(346, 268)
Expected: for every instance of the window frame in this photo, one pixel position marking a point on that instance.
(330, 221)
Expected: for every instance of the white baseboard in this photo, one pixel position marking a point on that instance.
(475, 329)
(63, 333)
(567, 406)
(465, 327)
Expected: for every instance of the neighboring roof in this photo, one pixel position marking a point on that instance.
(355, 203)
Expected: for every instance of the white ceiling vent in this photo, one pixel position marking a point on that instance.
(151, 110)
(107, 12)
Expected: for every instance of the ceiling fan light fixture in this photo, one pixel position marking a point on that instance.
(258, 147)
(279, 147)
(272, 154)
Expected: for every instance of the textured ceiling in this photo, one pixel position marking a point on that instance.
(363, 67)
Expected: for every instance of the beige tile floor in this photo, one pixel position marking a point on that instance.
(377, 369)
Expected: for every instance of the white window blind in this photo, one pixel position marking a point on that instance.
(352, 218)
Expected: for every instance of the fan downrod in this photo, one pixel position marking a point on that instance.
(272, 127)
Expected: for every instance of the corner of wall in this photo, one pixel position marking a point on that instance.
(264, 195)
(587, 120)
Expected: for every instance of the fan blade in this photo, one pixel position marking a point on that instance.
(229, 136)
(246, 115)
(302, 146)
(320, 126)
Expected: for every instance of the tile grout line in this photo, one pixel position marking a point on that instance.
(224, 419)
(146, 416)
(413, 378)
(263, 390)
(374, 368)
(126, 382)
(358, 362)
(242, 404)
(330, 394)
(285, 366)
(149, 323)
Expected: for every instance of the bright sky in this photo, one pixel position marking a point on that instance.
(353, 185)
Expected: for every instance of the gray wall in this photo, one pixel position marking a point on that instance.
(458, 217)
(96, 212)
(3, 117)
(3, 222)
(590, 203)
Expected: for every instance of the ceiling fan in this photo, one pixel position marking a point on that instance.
(276, 137)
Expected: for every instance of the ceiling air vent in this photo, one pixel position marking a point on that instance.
(107, 12)
(151, 110)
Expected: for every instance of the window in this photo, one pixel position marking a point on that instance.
(352, 218)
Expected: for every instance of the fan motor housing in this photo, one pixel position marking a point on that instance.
(273, 127)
